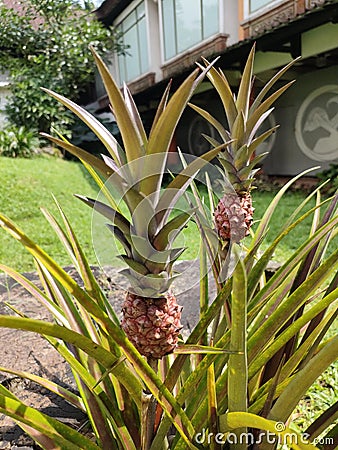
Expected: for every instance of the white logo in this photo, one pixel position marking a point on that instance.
(317, 124)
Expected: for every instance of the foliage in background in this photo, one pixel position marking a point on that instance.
(46, 44)
(332, 175)
(18, 142)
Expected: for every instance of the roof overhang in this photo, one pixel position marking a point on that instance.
(110, 9)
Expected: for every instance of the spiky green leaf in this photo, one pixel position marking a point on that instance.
(133, 144)
(263, 107)
(110, 213)
(92, 160)
(212, 120)
(244, 92)
(224, 90)
(95, 125)
(263, 92)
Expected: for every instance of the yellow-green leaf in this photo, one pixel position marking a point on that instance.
(132, 140)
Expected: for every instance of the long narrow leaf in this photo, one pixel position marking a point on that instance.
(63, 436)
(243, 98)
(128, 128)
(162, 133)
(92, 160)
(35, 292)
(264, 107)
(293, 302)
(62, 392)
(212, 407)
(323, 422)
(161, 107)
(135, 116)
(304, 379)
(110, 213)
(212, 120)
(175, 189)
(270, 84)
(223, 88)
(278, 343)
(95, 125)
(271, 208)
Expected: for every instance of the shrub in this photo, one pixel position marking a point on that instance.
(18, 142)
(48, 46)
(330, 174)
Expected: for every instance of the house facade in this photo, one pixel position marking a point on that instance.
(165, 38)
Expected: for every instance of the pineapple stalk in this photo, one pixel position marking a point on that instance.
(149, 406)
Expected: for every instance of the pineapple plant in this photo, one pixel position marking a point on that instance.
(151, 315)
(138, 403)
(233, 215)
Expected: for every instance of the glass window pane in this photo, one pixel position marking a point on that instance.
(210, 18)
(169, 28)
(188, 23)
(135, 62)
(122, 72)
(256, 4)
(129, 21)
(132, 58)
(142, 32)
(141, 10)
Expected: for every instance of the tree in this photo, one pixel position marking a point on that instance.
(44, 43)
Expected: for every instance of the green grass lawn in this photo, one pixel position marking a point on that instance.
(28, 184)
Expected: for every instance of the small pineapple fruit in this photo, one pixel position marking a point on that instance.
(234, 216)
(234, 212)
(151, 315)
(152, 324)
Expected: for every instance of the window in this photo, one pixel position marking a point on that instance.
(186, 23)
(257, 4)
(135, 61)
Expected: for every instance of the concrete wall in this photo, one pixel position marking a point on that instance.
(4, 93)
(308, 134)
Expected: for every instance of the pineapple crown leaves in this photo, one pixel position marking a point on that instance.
(133, 134)
(132, 131)
(135, 172)
(244, 120)
(147, 285)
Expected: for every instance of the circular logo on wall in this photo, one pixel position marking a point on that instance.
(317, 124)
